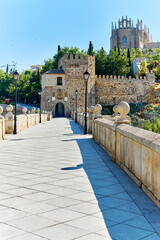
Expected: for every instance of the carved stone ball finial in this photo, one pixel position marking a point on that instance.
(123, 108)
(9, 108)
(98, 109)
(33, 110)
(1, 110)
(91, 109)
(38, 110)
(115, 109)
(9, 115)
(24, 110)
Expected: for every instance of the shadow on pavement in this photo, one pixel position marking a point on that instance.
(128, 213)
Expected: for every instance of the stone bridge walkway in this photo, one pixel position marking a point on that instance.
(57, 184)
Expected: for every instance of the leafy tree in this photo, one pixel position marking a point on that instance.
(100, 59)
(133, 53)
(117, 64)
(139, 53)
(52, 63)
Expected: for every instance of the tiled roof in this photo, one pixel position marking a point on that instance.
(55, 71)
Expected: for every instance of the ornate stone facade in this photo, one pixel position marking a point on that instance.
(59, 97)
(127, 36)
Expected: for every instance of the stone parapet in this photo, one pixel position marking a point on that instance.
(23, 122)
(135, 150)
(110, 90)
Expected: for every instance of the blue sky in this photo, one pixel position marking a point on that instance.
(32, 29)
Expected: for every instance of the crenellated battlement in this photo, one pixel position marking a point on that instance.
(75, 59)
(117, 77)
(111, 90)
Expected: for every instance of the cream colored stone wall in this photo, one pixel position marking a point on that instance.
(23, 122)
(136, 150)
(112, 90)
(1, 130)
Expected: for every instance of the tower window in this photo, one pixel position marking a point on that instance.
(59, 80)
(124, 40)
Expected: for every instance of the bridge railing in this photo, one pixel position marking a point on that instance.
(24, 120)
(135, 150)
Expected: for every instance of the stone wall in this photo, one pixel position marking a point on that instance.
(135, 150)
(111, 90)
(73, 79)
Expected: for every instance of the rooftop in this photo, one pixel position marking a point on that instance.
(55, 71)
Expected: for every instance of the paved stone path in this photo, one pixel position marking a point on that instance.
(57, 184)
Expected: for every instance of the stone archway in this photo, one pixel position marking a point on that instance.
(59, 110)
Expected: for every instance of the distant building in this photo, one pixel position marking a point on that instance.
(136, 65)
(35, 68)
(127, 36)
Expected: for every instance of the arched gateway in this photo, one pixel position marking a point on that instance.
(59, 110)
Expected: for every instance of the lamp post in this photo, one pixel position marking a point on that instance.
(48, 103)
(86, 77)
(73, 107)
(16, 77)
(76, 92)
(40, 107)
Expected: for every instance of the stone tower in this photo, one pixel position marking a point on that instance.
(59, 85)
(127, 36)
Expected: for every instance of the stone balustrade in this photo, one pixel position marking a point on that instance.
(24, 120)
(135, 150)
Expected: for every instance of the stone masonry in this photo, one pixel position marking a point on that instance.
(105, 90)
(112, 90)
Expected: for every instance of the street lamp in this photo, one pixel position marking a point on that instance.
(39, 93)
(86, 77)
(16, 77)
(48, 103)
(76, 92)
(73, 107)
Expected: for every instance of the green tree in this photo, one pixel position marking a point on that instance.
(52, 63)
(100, 62)
(7, 69)
(90, 49)
(139, 53)
(59, 48)
(133, 53)
(117, 64)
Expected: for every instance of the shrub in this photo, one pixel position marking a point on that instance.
(153, 125)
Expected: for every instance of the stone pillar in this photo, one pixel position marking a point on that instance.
(90, 119)
(9, 121)
(3, 123)
(97, 111)
(96, 114)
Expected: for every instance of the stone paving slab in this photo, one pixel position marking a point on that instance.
(57, 184)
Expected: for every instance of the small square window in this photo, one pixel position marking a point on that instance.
(59, 80)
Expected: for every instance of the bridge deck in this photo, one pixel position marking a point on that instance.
(57, 184)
